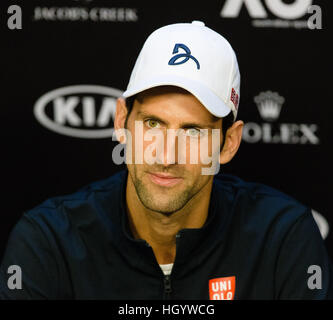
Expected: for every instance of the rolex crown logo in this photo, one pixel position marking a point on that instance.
(269, 105)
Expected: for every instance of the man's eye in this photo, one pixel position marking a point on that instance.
(193, 132)
(152, 123)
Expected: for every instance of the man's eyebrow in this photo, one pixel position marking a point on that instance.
(151, 116)
(187, 125)
(184, 125)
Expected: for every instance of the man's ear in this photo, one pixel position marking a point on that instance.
(232, 142)
(119, 120)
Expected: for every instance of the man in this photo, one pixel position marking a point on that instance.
(168, 228)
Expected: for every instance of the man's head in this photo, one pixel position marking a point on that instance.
(186, 80)
(167, 186)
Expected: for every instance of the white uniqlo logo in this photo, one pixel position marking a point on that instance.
(256, 9)
(222, 288)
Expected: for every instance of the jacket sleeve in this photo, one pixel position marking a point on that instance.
(34, 275)
(304, 268)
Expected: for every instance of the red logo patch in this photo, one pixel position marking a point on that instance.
(234, 98)
(222, 288)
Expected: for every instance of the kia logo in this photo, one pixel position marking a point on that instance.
(82, 111)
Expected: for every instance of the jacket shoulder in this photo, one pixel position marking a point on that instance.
(83, 205)
(258, 201)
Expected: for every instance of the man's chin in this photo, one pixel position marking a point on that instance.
(166, 205)
(164, 200)
(163, 207)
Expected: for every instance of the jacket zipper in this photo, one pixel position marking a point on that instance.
(167, 278)
(167, 287)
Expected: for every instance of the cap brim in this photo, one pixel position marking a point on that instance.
(208, 98)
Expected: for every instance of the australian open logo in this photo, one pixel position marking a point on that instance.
(186, 56)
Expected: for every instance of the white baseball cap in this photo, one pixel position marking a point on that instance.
(193, 57)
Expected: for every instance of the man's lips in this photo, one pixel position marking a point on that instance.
(164, 179)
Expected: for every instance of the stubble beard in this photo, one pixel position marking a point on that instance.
(164, 201)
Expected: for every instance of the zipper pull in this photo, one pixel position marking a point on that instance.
(167, 286)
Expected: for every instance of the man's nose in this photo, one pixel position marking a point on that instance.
(168, 154)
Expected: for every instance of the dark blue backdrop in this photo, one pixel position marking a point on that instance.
(48, 152)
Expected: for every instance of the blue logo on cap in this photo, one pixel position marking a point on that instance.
(186, 56)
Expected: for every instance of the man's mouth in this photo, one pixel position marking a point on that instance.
(164, 179)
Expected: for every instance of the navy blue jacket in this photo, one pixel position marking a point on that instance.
(80, 246)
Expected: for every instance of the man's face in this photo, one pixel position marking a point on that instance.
(168, 186)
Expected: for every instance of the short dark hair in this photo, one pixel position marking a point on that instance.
(227, 121)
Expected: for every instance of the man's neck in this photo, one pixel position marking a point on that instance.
(160, 230)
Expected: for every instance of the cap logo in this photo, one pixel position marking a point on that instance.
(187, 55)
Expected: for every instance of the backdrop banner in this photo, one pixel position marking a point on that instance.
(64, 64)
